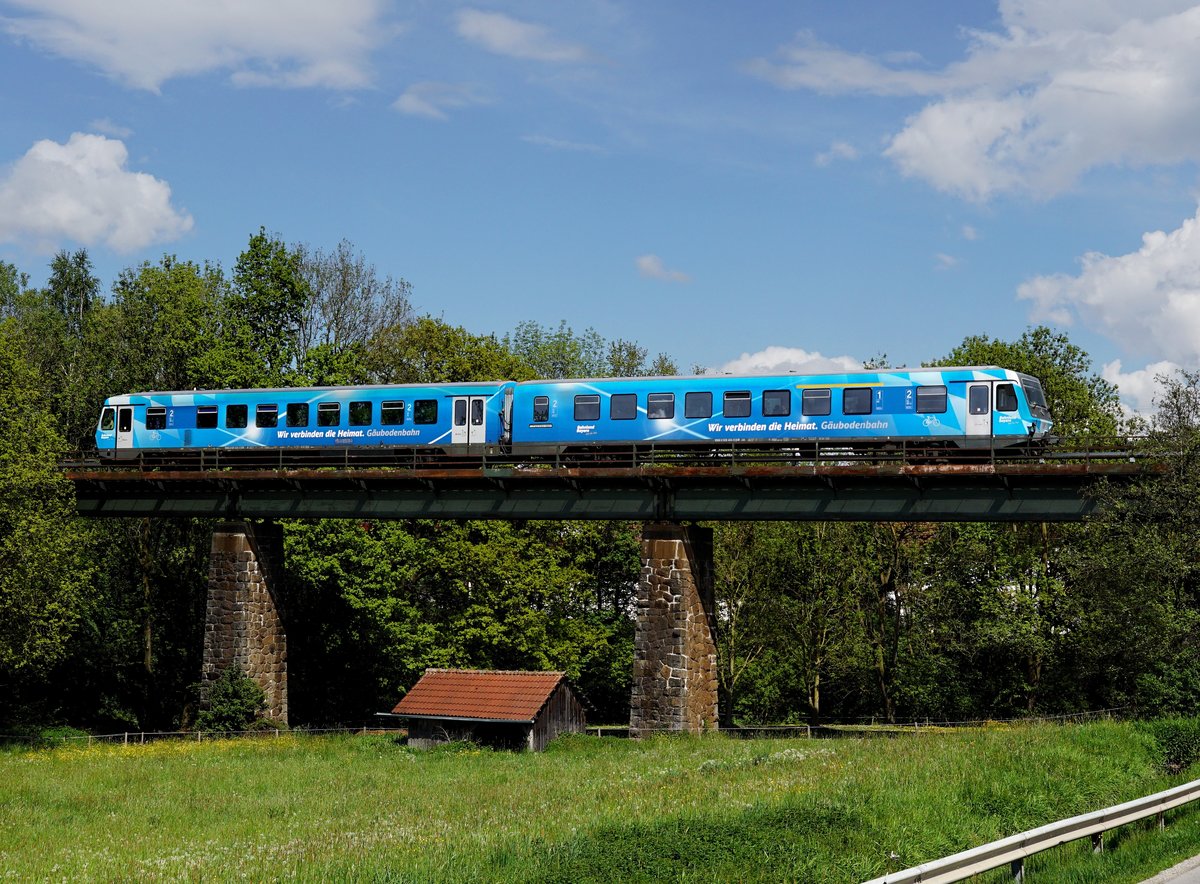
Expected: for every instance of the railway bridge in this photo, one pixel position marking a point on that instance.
(675, 680)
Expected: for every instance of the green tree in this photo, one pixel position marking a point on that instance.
(1001, 609)
(350, 311)
(627, 359)
(887, 579)
(1138, 636)
(72, 289)
(44, 571)
(13, 283)
(561, 353)
(138, 645)
(739, 590)
(162, 325)
(348, 303)
(429, 350)
(260, 320)
(52, 328)
(786, 624)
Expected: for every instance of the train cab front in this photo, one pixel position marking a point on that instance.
(1040, 421)
(114, 431)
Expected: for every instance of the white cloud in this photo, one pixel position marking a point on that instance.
(82, 191)
(561, 144)
(810, 64)
(1147, 301)
(652, 267)
(431, 99)
(505, 35)
(838, 150)
(969, 233)
(944, 261)
(144, 43)
(1139, 388)
(105, 126)
(1063, 86)
(784, 359)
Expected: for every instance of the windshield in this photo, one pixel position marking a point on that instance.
(1033, 392)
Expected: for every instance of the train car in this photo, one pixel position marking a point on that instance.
(457, 419)
(959, 407)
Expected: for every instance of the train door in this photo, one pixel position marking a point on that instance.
(469, 424)
(979, 411)
(124, 427)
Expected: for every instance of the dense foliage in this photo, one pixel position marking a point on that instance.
(235, 702)
(101, 623)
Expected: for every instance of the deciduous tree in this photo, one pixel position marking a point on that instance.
(44, 571)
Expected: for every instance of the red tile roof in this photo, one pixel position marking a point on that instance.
(487, 695)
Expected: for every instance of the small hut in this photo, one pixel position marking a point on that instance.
(502, 709)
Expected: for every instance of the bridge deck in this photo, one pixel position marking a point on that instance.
(854, 491)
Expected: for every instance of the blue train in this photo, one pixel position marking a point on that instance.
(960, 407)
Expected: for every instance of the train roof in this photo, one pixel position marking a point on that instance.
(492, 385)
(316, 389)
(775, 374)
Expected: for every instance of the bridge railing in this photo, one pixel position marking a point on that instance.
(1015, 849)
(720, 455)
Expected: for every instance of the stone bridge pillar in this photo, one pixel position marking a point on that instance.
(674, 648)
(242, 626)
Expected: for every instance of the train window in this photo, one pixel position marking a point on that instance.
(587, 408)
(235, 417)
(979, 399)
(931, 399)
(206, 417)
(266, 416)
(156, 418)
(777, 403)
(1006, 397)
(107, 419)
(737, 404)
(360, 414)
(477, 412)
(856, 400)
(329, 414)
(124, 420)
(660, 406)
(697, 405)
(425, 411)
(541, 409)
(460, 412)
(623, 406)
(297, 414)
(391, 414)
(814, 403)
(1033, 391)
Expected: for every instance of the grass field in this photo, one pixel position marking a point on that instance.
(362, 808)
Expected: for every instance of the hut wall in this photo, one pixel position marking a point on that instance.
(562, 714)
(425, 733)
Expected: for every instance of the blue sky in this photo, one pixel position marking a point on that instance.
(744, 186)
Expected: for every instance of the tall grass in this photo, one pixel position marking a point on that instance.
(701, 809)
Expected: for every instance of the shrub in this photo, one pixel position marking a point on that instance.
(1179, 741)
(234, 703)
(59, 735)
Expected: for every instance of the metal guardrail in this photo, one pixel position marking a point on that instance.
(1013, 850)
